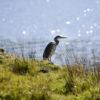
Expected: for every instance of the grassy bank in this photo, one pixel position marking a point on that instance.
(39, 80)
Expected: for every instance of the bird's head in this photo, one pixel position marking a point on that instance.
(59, 37)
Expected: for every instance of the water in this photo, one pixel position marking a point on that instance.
(74, 52)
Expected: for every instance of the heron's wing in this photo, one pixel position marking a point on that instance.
(49, 50)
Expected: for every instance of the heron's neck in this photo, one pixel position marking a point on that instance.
(56, 41)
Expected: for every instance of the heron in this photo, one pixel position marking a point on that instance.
(51, 47)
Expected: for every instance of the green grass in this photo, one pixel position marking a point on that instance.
(39, 80)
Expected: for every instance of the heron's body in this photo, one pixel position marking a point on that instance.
(50, 48)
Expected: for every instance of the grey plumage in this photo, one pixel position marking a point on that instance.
(51, 47)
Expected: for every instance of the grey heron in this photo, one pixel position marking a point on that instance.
(51, 47)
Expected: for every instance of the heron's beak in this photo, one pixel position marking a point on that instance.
(63, 37)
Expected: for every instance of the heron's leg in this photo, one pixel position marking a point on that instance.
(50, 61)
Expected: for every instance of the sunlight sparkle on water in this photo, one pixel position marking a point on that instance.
(53, 32)
(3, 19)
(78, 18)
(24, 32)
(68, 22)
(79, 35)
(47, 1)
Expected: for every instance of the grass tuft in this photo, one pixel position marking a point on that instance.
(40, 80)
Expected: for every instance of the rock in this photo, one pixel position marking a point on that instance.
(2, 51)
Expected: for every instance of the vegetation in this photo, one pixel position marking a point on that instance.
(28, 79)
